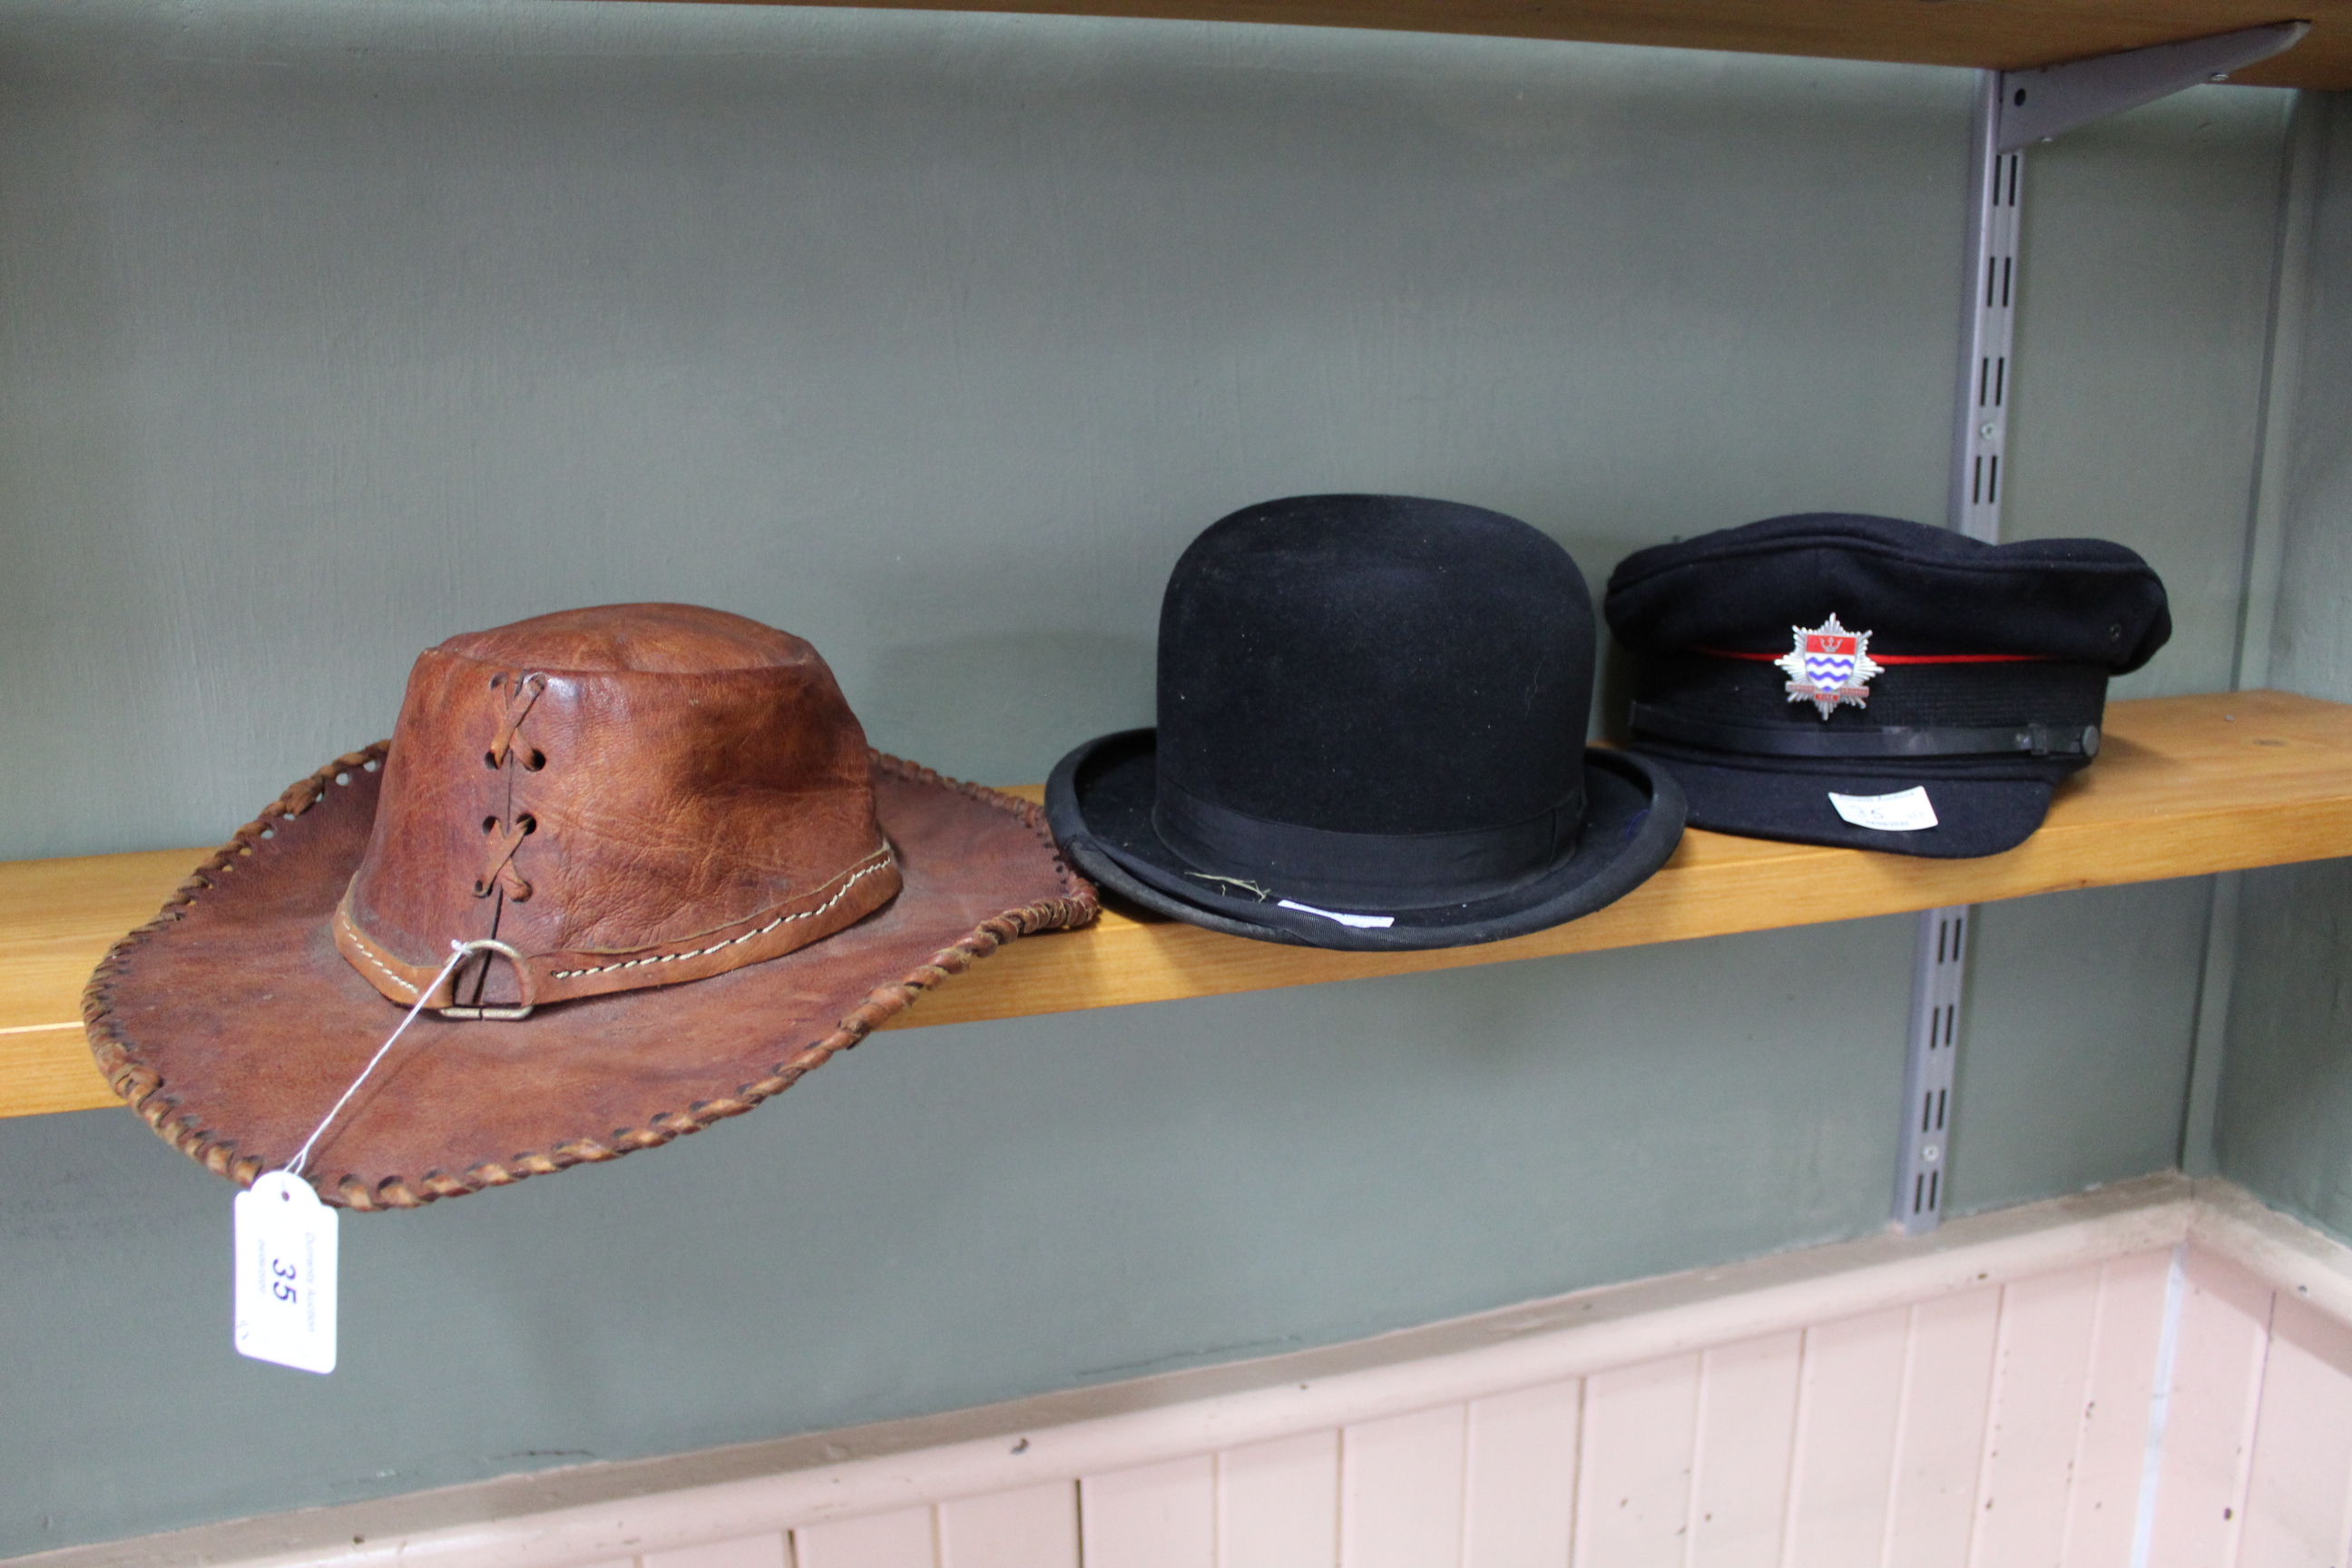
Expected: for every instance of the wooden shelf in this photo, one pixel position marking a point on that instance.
(2185, 785)
(2005, 35)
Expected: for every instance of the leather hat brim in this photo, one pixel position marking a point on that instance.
(1100, 804)
(232, 1024)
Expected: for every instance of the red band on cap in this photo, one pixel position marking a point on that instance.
(1894, 658)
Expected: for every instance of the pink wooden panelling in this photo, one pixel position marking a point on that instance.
(1940, 1437)
(1401, 1491)
(2297, 1501)
(1995, 1427)
(2209, 1428)
(1519, 1493)
(1154, 1516)
(1632, 1494)
(1850, 1394)
(904, 1538)
(2040, 1377)
(1278, 1503)
(750, 1551)
(2111, 1452)
(1035, 1527)
(1747, 1429)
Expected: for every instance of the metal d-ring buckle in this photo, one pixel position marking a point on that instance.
(522, 983)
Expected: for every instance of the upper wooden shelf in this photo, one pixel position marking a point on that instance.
(2184, 786)
(2003, 35)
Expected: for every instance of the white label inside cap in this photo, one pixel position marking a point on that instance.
(1369, 922)
(285, 1274)
(1907, 811)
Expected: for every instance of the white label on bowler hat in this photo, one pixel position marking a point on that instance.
(285, 1274)
(1905, 811)
(1370, 922)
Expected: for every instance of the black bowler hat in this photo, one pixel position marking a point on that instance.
(1865, 681)
(1372, 735)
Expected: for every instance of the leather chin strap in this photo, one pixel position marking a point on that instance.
(1893, 742)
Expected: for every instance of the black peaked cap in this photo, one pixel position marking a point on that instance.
(1993, 686)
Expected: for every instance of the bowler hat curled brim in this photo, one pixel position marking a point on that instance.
(1099, 803)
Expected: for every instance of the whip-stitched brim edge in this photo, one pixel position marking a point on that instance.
(1618, 851)
(151, 1093)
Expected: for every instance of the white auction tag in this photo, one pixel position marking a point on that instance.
(1368, 923)
(1905, 811)
(285, 1274)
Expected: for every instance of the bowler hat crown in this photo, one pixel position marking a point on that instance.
(1368, 667)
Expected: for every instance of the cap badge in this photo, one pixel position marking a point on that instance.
(1829, 666)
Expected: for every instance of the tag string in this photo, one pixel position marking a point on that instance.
(462, 951)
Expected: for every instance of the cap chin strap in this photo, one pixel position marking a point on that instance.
(1893, 740)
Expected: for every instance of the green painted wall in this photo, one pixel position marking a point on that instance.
(2284, 1126)
(332, 329)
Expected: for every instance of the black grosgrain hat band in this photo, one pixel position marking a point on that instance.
(2033, 740)
(1376, 870)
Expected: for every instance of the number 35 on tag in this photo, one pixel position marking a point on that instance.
(285, 1274)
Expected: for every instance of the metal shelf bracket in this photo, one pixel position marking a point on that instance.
(2014, 110)
(2036, 105)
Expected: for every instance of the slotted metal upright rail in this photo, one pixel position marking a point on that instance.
(2013, 109)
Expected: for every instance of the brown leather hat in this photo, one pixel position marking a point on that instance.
(575, 817)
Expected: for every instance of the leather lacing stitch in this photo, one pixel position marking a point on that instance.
(520, 696)
(880, 860)
(499, 869)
